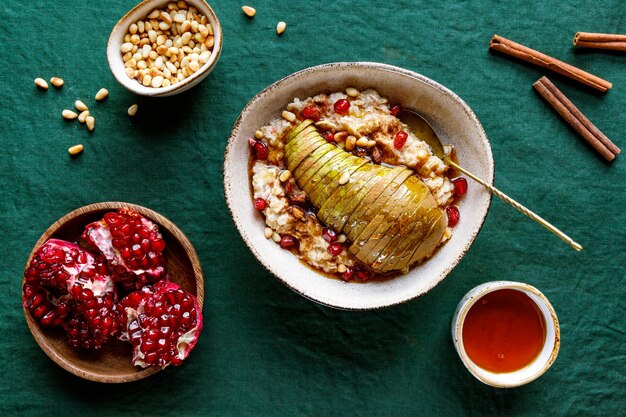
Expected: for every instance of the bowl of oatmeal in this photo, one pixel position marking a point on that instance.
(341, 197)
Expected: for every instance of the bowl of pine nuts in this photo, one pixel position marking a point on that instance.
(161, 48)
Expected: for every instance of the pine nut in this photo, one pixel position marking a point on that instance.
(350, 143)
(41, 83)
(362, 142)
(157, 81)
(80, 106)
(258, 134)
(280, 27)
(57, 82)
(248, 11)
(352, 92)
(268, 233)
(126, 47)
(69, 115)
(341, 238)
(102, 94)
(345, 177)
(285, 175)
(154, 14)
(83, 115)
(75, 150)
(90, 122)
(289, 116)
(341, 268)
(132, 110)
(275, 237)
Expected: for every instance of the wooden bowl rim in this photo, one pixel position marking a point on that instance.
(162, 221)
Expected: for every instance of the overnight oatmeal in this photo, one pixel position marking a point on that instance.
(347, 187)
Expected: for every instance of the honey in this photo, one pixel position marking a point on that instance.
(504, 331)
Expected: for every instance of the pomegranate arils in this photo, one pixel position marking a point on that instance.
(164, 322)
(261, 151)
(400, 139)
(132, 246)
(37, 302)
(460, 186)
(94, 321)
(453, 215)
(395, 110)
(348, 274)
(329, 136)
(342, 106)
(311, 112)
(260, 204)
(329, 235)
(335, 248)
(288, 242)
(363, 275)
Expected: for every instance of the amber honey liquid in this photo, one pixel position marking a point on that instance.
(504, 331)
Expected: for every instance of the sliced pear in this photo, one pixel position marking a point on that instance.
(312, 159)
(431, 242)
(318, 184)
(303, 176)
(349, 167)
(295, 158)
(296, 130)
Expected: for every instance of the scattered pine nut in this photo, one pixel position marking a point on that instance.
(275, 237)
(76, 149)
(83, 116)
(289, 116)
(352, 92)
(362, 142)
(41, 83)
(350, 143)
(284, 176)
(370, 144)
(132, 110)
(69, 115)
(341, 238)
(258, 134)
(248, 11)
(345, 177)
(268, 233)
(57, 82)
(80, 106)
(341, 136)
(280, 27)
(102, 94)
(341, 268)
(91, 123)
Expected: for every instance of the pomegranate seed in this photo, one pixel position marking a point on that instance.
(311, 112)
(342, 106)
(395, 110)
(288, 242)
(453, 215)
(335, 248)
(329, 136)
(460, 186)
(400, 139)
(260, 204)
(363, 275)
(347, 276)
(329, 234)
(261, 151)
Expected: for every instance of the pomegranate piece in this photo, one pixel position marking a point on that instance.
(260, 204)
(288, 242)
(400, 139)
(163, 324)
(347, 276)
(132, 246)
(261, 151)
(329, 136)
(453, 215)
(94, 320)
(311, 112)
(329, 235)
(341, 106)
(395, 110)
(56, 267)
(460, 186)
(363, 275)
(335, 248)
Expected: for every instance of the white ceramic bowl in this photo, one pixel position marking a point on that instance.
(535, 369)
(451, 118)
(116, 64)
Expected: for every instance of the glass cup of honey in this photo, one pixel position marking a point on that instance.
(506, 333)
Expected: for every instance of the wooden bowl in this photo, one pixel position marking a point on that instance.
(114, 363)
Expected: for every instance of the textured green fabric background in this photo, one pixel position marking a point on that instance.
(265, 350)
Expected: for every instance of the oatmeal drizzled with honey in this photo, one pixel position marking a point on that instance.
(364, 124)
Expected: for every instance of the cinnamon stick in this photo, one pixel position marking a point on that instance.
(576, 119)
(612, 41)
(522, 52)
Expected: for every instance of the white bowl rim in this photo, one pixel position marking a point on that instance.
(381, 66)
(140, 89)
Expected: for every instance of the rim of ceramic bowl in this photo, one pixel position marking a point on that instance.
(360, 64)
(117, 68)
(542, 362)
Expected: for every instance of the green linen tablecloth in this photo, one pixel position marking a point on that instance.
(265, 351)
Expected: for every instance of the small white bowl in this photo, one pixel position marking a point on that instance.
(116, 63)
(535, 369)
(451, 118)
